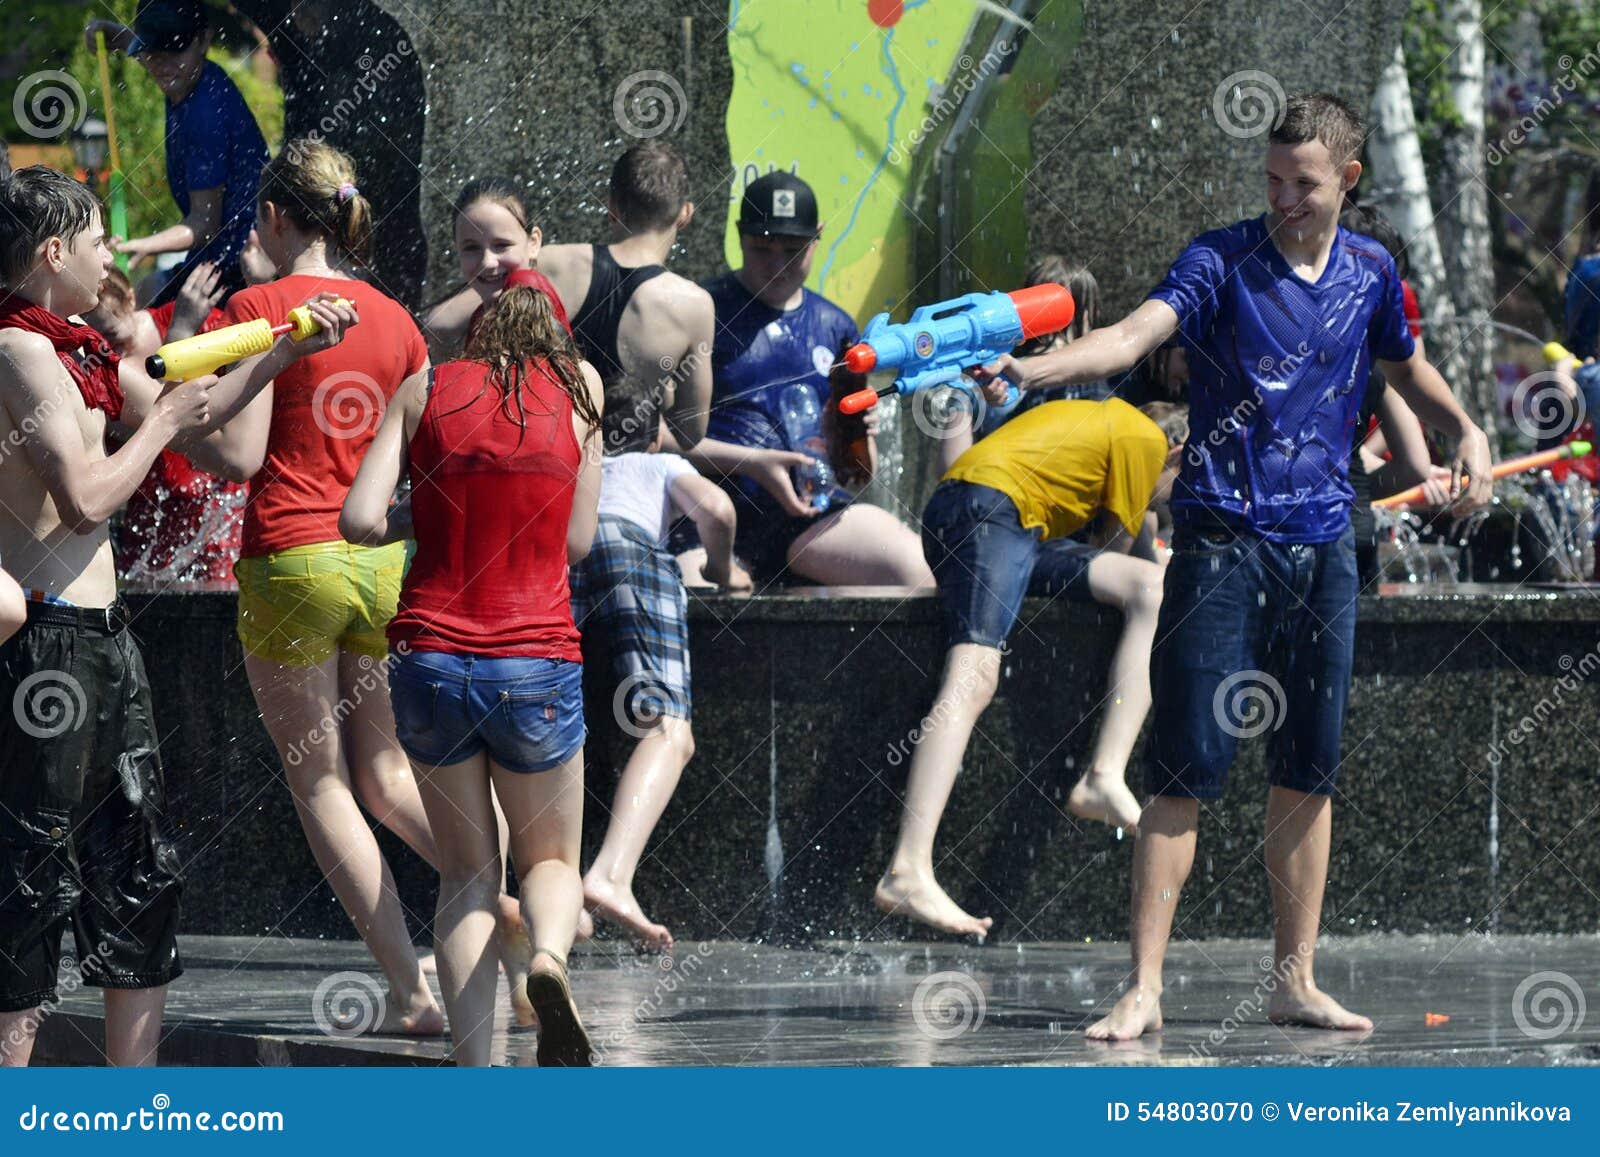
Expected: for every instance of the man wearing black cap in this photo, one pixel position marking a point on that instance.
(776, 342)
(630, 316)
(215, 150)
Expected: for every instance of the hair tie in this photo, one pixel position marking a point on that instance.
(346, 191)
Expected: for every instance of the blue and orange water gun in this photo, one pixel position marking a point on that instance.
(942, 340)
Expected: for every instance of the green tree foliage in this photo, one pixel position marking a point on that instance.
(45, 35)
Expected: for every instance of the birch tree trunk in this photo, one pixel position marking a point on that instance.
(1464, 217)
(1395, 154)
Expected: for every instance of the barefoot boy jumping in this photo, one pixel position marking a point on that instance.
(1282, 317)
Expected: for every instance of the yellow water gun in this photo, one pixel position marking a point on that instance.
(205, 353)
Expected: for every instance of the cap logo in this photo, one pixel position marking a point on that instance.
(783, 202)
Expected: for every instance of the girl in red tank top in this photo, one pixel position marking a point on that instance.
(503, 454)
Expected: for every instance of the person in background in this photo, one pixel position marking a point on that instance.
(1583, 284)
(215, 151)
(628, 596)
(767, 442)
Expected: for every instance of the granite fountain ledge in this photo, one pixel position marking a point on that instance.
(805, 715)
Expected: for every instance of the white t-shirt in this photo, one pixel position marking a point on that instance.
(638, 487)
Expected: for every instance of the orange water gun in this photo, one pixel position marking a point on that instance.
(1501, 470)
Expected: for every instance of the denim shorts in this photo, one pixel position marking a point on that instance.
(526, 713)
(1255, 638)
(986, 562)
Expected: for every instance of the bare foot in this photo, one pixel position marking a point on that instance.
(615, 903)
(1136, 1013)
(585, 926)
(1104, 797)
(429, 964)
(516, 957)
(1315, 1009)
(397, 1020)
(924, 901)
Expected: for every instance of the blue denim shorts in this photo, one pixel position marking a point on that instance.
(1255, 638)
(986, 562)
(526, 713)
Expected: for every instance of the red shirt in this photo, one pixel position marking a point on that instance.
(181, 523)
(1413, 311)
(325, 409)
(490, 503)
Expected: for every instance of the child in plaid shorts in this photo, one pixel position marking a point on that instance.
(628, 593)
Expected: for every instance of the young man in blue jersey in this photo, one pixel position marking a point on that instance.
(1282, 317)
(775, 346)
(215, 151)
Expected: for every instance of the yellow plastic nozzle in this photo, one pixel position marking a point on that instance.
(1555, 352)
(205, 353)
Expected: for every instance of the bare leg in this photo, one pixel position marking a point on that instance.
(17, 1033)
(461, 815)
(860, 545)
(297, 705)
(1299, 834)
(643, 791)
(1161, 862)
(545, 811)
(692, 565)
(133, 1025)
(379, 769)
(908, 888)
(1133, 586)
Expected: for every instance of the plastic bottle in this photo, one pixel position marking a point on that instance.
(802, 423)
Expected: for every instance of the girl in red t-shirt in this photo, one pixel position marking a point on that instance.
(312, 607)
(497, 248)
(503, 454)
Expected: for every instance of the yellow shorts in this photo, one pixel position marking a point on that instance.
(298, 606)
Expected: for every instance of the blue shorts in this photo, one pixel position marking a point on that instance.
(526, 713)
(1255, 638)
(986, 563)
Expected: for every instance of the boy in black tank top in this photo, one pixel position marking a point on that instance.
(631, 317)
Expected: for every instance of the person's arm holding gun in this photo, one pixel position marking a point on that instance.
(1103, 353)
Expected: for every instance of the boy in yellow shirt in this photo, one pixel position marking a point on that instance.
(996, 530)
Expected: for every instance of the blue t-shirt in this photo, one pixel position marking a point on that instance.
(213, 142)
(760, 351)
(1583, 308)
(1278, 368)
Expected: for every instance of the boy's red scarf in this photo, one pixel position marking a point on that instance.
(91, 362)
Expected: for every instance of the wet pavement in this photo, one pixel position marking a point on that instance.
(1436, 1000)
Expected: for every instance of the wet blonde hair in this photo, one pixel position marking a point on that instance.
(306, 180)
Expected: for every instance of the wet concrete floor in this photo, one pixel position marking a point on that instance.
(1435, 1000)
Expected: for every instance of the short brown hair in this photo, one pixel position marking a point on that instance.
(36, 204)
(1321, 116)
(1172, 417)
(649, 186)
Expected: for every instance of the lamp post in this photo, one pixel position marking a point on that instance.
(89, 146)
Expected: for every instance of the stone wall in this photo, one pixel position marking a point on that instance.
(1449, 819)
